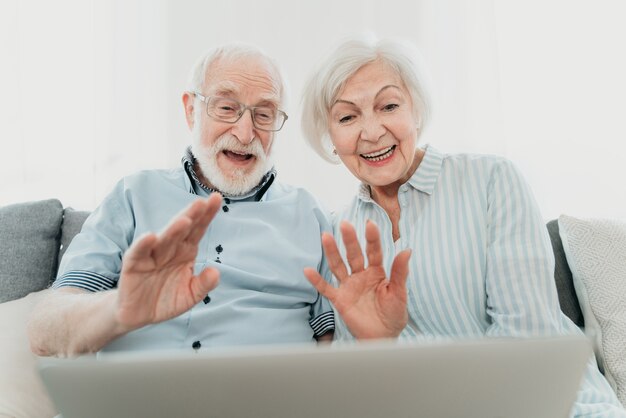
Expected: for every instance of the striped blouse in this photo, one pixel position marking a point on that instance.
(482, 262)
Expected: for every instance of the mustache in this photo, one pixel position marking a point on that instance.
(228, 142)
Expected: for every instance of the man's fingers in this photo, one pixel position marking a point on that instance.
(373, 248)
(320, 284)
(400, 269)
(335, 262)
(203, 219)
(354, 254)
(190, 225)
(141, 249)
(171, 237)
(204, 282)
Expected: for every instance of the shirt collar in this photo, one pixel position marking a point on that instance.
(256, 193)
(425, 177)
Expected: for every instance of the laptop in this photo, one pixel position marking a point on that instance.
(471, 379)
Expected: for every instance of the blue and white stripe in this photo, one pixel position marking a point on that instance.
(87, 280)
(323, 323)
(482, 262)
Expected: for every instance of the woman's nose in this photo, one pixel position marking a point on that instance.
(372, 129)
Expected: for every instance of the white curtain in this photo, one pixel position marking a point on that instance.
(91, 89)
(83, 96)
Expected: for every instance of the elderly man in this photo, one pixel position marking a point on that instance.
(123, 287)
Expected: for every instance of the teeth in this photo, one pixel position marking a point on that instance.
(379, 155)
(241, 153)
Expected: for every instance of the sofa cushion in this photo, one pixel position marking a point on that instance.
(563, 277)
(29, 245)
(21, 392)
(72, 223)
(596, 253)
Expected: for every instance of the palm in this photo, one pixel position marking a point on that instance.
(369, 304)
(157, 280)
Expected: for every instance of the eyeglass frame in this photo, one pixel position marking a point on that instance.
(205, 100)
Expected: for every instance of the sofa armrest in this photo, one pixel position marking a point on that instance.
(73, 221)
(563, 277)
(29, 247)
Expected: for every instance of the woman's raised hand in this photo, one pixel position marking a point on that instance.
(370, 305)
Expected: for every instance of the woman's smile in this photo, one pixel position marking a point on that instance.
(380, 156)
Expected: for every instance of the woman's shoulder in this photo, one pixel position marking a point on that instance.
(476, 162)
(468, 158)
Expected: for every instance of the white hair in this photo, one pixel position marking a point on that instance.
(331, 75)
(232, 52)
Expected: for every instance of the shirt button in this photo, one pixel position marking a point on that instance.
(227, 201)
(196, 345)
(206, 299)
(219, 249)
(225, 208)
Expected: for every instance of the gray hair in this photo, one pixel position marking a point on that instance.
(232, 52)
(331, 75)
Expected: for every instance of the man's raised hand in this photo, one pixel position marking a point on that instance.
(157, 280)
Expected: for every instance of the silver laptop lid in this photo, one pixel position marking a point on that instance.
(481, 378)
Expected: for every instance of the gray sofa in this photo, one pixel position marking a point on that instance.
(33, 238)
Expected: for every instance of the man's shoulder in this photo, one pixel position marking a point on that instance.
(157, 177)
(282, 190)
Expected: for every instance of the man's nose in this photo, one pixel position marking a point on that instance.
(243, 129)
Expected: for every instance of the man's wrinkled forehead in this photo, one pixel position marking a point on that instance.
(233, 78)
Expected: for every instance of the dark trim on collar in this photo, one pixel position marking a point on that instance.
(256, 193)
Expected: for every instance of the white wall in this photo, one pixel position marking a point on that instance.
(540, 82)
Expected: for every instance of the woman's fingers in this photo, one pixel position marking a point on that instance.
(400, 269)
(373, 248)
(320, 284)
(354, 254)
(335, 262)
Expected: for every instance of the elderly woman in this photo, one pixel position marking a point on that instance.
(481, 261)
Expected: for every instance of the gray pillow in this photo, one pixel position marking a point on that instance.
(72, 223)
(29, 244)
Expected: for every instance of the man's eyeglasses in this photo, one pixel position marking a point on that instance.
(264, 118)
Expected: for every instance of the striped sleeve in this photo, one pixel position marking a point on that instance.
(323, 323)
(86, 280)
(93, 260)
(521, 293)
(322, 316)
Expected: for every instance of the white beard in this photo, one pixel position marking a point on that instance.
(238, 181)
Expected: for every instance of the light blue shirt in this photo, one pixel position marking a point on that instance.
(482, 263)
(259, 247)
